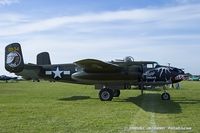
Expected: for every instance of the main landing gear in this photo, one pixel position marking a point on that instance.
(116, 93)
(107, 94)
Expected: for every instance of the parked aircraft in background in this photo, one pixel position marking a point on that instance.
(194, 78)
(109, 77)
(7, 78)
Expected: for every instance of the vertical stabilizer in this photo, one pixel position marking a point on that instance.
(43, 59)
(13, 58)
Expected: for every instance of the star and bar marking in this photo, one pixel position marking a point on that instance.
(57, 73)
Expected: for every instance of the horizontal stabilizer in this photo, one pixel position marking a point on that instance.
(30, 71)
(97, 66)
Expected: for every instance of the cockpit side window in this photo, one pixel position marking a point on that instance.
(150, 66)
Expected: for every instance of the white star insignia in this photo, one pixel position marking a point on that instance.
(57, 73)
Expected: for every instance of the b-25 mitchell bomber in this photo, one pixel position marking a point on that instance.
(109, 77)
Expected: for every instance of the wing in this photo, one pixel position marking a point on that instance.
(97, 66)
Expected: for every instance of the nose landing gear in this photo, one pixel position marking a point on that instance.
(165, 96)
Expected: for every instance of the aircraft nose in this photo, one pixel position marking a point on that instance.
(180, 76)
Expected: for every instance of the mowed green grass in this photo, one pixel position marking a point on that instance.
(60, 107)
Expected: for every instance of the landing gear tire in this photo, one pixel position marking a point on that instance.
(116, 93)
(165, 96)
(105, 94)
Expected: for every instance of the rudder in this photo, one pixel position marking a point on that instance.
(13, 58)
(43, 59)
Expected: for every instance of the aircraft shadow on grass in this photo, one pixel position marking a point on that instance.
(148, 102)
(75, 98)
(152, 103)
(187, 101)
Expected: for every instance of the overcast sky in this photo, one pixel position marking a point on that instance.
(166, 31)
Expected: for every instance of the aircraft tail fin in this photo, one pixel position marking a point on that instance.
(13, 58)
(43, 59)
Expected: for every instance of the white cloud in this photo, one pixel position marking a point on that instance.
(164, 17)
(10, 19)
(161, 34)
(8, 2)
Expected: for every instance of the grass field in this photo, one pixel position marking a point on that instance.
(60, 107)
